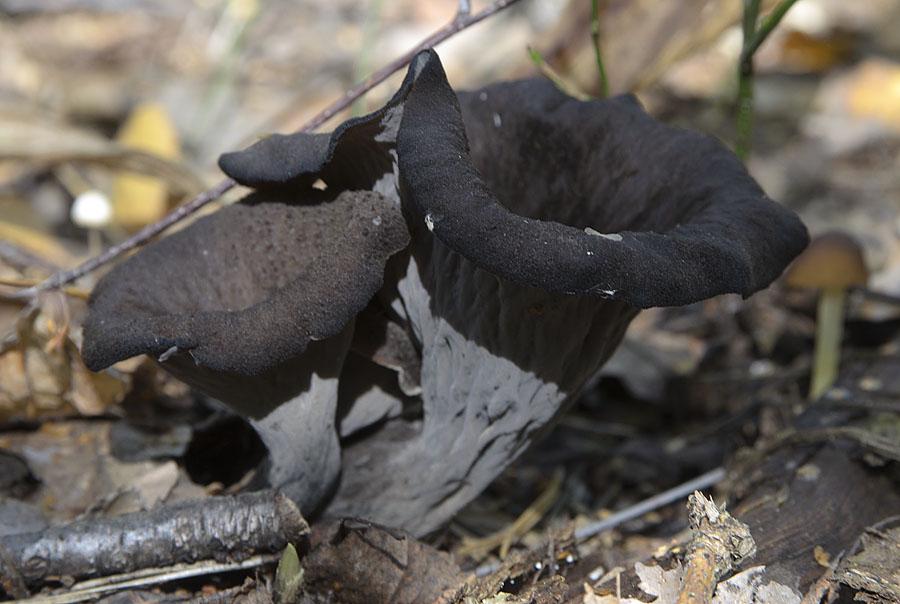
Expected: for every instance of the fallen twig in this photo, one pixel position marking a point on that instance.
(218, 528)
(704, 481)
(461, 21)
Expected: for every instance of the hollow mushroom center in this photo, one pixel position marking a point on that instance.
(550, 175)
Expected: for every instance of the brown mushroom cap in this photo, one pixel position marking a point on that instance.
(833, 260)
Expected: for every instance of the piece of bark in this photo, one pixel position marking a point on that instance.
(874, 571)
(356, 561)
(219, 528)
(719, 543)
(829, 503)
(797, 497)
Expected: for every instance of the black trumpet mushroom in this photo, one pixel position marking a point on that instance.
(400, 335)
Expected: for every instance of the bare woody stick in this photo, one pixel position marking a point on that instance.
(220, 528)
(463, 20)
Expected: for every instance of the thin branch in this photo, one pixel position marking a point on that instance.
(460, 22)
(704, 481)
(598, 55)
(215, 528)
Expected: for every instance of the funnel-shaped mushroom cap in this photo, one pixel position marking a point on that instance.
(254, 305)
(248, 287)
(589, 197)
(832, 261)
(538, 225)
(573, 197)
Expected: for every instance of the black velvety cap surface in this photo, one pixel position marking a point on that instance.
(354, 156)
(592, 198)
(249, 286)
(586, 198)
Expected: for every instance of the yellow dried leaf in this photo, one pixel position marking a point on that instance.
(41, 371)
(139, 200)
(822, 557)
(804, 53)
(36, 242)
(875, 92)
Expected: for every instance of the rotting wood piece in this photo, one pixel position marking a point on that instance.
(797, 497)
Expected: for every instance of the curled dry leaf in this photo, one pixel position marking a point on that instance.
(41, 370)
(367, 564)
(38, 139)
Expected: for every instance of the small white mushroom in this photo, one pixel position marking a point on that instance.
(92, 210)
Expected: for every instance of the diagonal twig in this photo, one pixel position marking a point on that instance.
(704, 481)
(462, 20)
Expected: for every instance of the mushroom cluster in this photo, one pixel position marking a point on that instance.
(400, 335)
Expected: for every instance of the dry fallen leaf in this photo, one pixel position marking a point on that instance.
(370, 564)
(138, 199)
(41, 371)
(591, 597)
(746, 588)
(822, 557)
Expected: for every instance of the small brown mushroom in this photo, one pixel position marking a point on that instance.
(832, 263)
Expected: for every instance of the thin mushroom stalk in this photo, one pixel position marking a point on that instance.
(829, 333)
(474, 260)
(831, 264)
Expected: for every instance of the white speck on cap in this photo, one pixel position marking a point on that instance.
(610, 236)
(91, 210)
(498, 121)
(429, 222)
(167, 354)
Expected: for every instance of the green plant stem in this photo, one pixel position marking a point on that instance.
(829, 332)
(754, 36)
(598, 55)
(744, 108)
(768, 25)
(745, 81)
(554, 76)
(751, 16)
